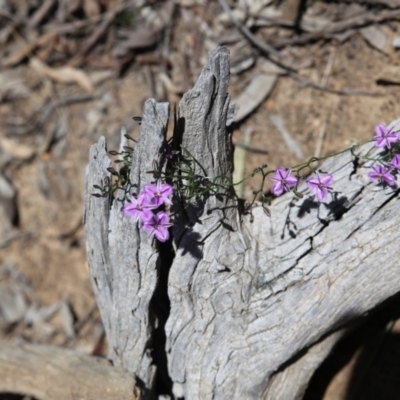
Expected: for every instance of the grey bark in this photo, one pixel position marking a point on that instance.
(123, 260)
(247, 293)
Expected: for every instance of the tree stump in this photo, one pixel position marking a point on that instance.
(224, 309)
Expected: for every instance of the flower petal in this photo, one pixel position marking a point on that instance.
(326, 179)
(381, 129)
(162, 234)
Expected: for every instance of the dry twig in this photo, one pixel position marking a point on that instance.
(40, 13)
(270, 52)
(95, 36)
(338, 27)
(266, 48)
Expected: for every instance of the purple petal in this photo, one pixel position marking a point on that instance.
(157, 225)
(326, 179)
(129, 208)
(395, 163)
(322, 193)
(146, 200)
(159, 193)
(145, 214)
(163, 218)
(291, 180)
(319, 184)
(381, 129)
(373, 175)
(283, 181)
(277, 189)
(381, 173)
(279, 174)
(384, 136)
(312, 183)
(151, 231)
(166, 189)
(389, 178)
(380, 142)
(149, 223)
(162, 234)
(138, 215)
(150, 189)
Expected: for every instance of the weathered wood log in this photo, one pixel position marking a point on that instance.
(246, 293)
(49, 372)
(124, 263)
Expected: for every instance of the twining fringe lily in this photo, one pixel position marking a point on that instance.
(382, 175)
(284, 180)
(320, 185)
(157, 225)
(142, 208)
(385, 137)
(150, 208)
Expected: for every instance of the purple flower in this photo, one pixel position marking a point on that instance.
(320, 184)
(284, 180)
(157, 225)
(395, 163)
(384, 137)
(159, 193)
(382, 174)
(139, 208)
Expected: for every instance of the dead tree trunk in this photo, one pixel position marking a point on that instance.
(245, 294)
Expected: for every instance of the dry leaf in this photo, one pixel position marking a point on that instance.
(241, 64)
(9, 210)
(98, 77)
(40, 13)
(91, 8)
(17, 150)
(375, 37)
(254, 94)
(12, 87)
(396, 42)
(26, 49)
(389, 75)
(63, 74)
(270, 68)
(13, 306)
(67, 318)
(139, 39)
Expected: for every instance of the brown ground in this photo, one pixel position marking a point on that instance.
(46, 166)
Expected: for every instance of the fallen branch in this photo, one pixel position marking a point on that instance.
(48, 373)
